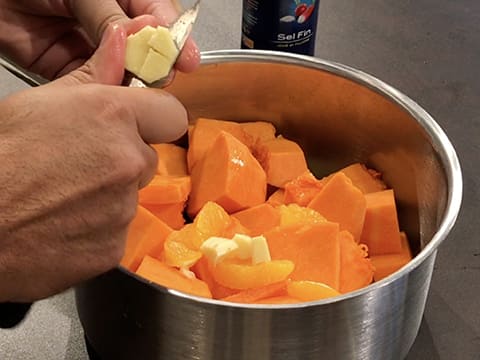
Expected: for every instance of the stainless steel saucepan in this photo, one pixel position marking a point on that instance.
(339, 115)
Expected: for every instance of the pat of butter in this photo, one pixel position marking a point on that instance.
(155, 67)
(216, 249)
(137, 49)
(163, 43)
(260, 251)
(244, 243)
(150, 53)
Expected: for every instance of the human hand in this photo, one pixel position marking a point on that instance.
(53, 37)
(74, 155)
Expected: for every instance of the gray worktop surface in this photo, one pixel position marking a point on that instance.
(428, 49)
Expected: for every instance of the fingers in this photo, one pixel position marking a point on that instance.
(166, 12)
(68, 52)
(106, 66)
(96, 15)
(159, 115)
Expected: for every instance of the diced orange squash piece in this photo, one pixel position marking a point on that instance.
(146, 236)
(238, 275)
(303, 189)
(342, 202)
(294, 214)
(205, 133)
(228, 175)
(178, 254)
(277, 300)
(282, 159)
(381, 231)
(258, 219)
(251, 296)
(159, 273)
(165, 190)
(367, 180)
(356, 270)
(277, 198)
(172, 160)
(388, 264)
(203, 272)
(314, 249)
(170, 214)
(258, 131)
(310, 290)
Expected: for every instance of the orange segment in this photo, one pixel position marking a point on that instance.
(212, 220)
(310, 290)
(203, 272)
(159, 273)
(245, 276)
(180, 255)
(282, 299)
(251, 296)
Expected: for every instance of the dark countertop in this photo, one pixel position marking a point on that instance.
(430, 50)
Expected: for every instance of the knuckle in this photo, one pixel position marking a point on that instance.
(105, 21)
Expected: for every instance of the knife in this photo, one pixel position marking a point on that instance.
(180, 29)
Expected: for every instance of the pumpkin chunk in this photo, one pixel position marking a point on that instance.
(313, 248)
(159, 273)
(356, 270)
(258, 219)
(282, 159)
(381, 231)
(388, 264)
(340, 201)
(146, 236)
(228, 175)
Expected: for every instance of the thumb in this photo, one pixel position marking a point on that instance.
(159, 116)
(106, 66)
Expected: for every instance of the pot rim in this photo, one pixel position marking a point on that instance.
(439, 141)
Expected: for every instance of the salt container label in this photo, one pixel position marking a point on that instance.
(285, 25)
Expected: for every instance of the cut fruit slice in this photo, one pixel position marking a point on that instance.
(310, 290)
(245, 276)
(251, 296)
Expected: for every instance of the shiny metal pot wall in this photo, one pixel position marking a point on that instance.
(339, 115)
